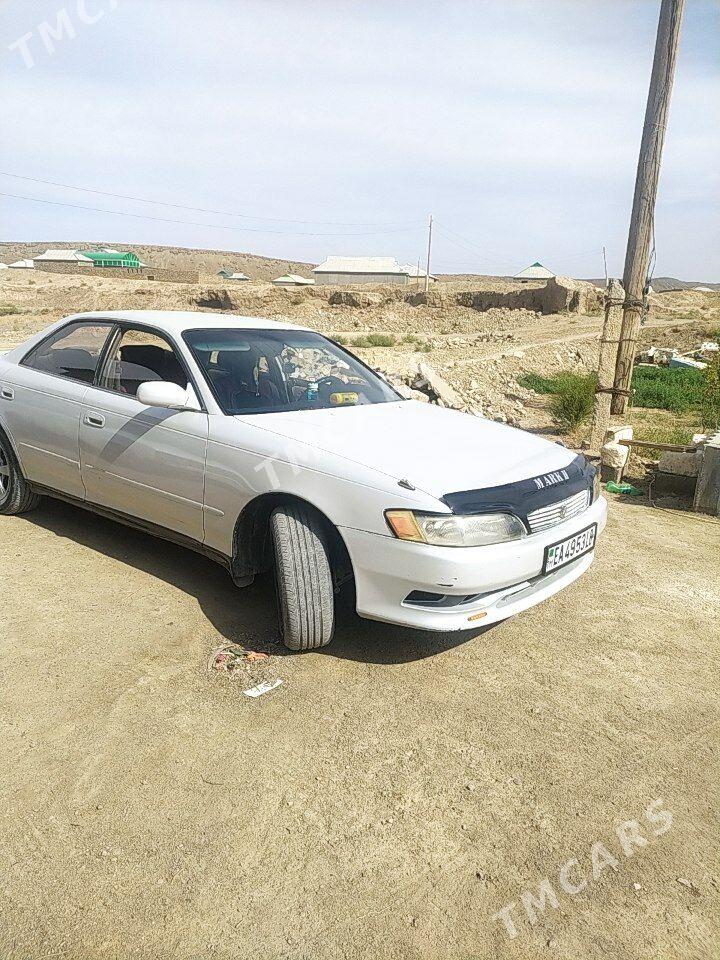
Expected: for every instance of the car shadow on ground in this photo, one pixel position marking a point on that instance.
(246, 616)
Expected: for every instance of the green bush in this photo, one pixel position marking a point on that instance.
(710, 400)
(375, 340)
(341, 339)
(662, 434)
(572, 394)
(666, 389)
(573, 398)
(533, 381)
(8, 309)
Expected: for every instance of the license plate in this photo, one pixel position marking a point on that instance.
(564, 552)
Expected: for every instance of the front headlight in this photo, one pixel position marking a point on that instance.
(455, 531)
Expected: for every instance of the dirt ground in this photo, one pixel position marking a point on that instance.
(480, 352)
(397, 791)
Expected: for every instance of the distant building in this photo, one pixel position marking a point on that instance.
(416, 274)
(536, 271)
(232, 276)
(64, 256)
(292, 280)
(111, 258)
(22, 265)
(341, 271)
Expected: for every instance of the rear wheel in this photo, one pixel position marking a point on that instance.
(303, 578)
(15, 493)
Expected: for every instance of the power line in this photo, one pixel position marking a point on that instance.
(471, 243)
(462, 245)
(220, 213)
(214, 226)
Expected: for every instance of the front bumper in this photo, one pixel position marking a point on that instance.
(506, 575)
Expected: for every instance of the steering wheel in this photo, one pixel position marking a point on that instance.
(331, 384)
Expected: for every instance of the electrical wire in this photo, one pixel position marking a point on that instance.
(220, 213)
(213, 226)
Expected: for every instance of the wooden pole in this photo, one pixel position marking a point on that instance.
(646, 182)
(427, 271)
(614, 298)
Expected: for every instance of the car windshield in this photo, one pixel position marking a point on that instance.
(268, 371)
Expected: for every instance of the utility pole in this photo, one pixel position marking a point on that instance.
(646, 182)
(427, 272)
(614, 299)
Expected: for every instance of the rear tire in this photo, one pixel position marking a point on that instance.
(303, 578)
(15, 493)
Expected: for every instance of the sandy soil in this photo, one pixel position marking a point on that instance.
(481, 353)
(389, 798)
(399, 788)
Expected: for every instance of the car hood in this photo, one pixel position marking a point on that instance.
(439, 451)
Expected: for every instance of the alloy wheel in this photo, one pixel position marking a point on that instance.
(4, 474)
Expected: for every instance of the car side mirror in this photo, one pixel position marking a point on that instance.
(160, 393)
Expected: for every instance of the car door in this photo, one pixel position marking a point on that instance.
(144, 462)
(41, 399)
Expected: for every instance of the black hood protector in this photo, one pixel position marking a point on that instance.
(525, 496)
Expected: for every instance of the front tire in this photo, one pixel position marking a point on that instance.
(303, 578)
(15, 493)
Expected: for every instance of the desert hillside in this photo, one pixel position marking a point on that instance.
(177, 258)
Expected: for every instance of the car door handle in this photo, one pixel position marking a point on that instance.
(94, 419)
(7, 393)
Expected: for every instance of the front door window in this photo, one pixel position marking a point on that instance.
(141, 357)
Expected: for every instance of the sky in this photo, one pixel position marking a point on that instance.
(335, 127)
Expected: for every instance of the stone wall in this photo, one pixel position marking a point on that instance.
(169, 276)
(557, 295)
(68, 267)
(121, 273)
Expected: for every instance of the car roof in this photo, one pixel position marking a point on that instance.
(176, 321)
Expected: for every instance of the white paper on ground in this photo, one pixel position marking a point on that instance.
(262, 688)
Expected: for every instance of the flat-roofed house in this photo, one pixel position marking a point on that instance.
(64, 256)
(345, 271)
(417, 274)
(228, 275)
(292, 280)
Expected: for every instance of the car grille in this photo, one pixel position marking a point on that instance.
(558, 512)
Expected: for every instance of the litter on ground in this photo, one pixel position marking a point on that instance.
(230, 658)
(262, 688)
(627, 488)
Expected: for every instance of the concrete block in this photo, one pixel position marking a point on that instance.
(613, 434)
(614, 457)
(674, 484)
(707, 491)
(680, 464)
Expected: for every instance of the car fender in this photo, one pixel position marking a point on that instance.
(244, 463)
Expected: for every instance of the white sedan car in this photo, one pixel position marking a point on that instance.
(268, 446)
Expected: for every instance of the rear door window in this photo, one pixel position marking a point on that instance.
(72, 352)
(138, 357)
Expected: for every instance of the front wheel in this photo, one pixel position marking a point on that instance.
(303, 578)
(15, 493)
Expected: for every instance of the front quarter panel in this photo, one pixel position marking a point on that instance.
(245, 462)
